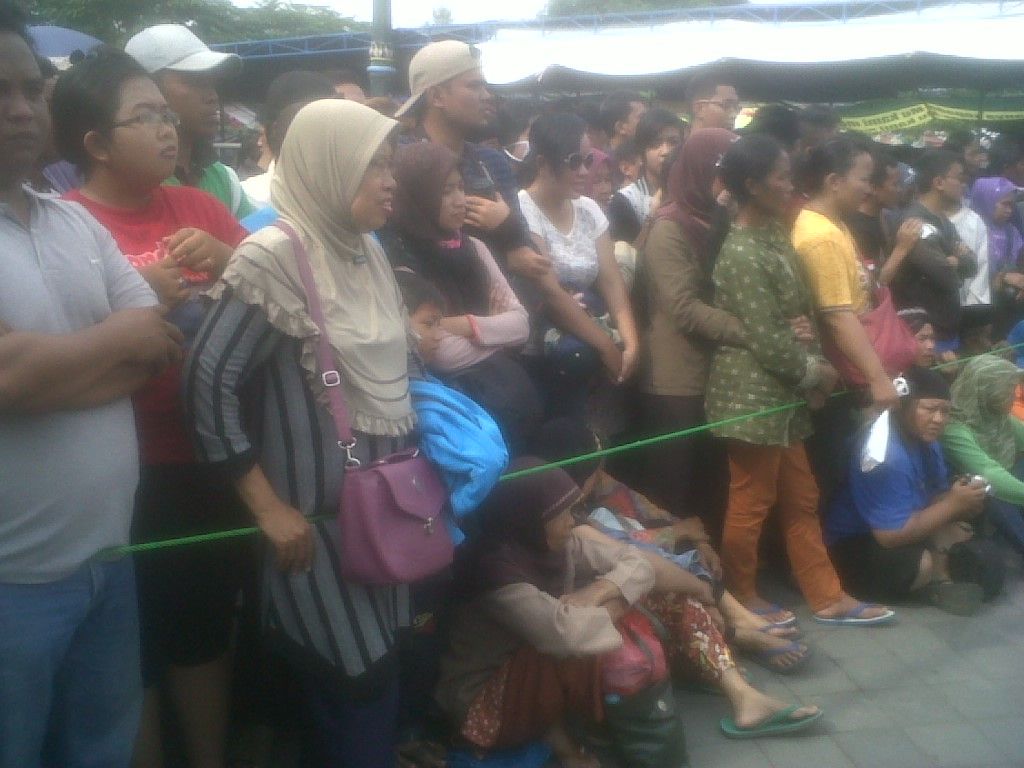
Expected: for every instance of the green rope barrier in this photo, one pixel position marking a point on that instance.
(150, 546)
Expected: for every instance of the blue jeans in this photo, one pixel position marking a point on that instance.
(70, 686)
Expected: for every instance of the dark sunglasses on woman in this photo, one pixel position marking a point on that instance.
(576, 160)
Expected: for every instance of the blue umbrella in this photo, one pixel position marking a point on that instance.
(55, 42)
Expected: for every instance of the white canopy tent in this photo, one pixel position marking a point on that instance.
(965, 45)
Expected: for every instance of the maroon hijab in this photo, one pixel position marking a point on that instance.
(691, 201)
(421, 170)
(445, 258)
(513, 548)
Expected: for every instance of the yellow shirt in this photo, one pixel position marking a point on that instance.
(836, 277)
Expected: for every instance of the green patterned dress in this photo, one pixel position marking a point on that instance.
(757, 279)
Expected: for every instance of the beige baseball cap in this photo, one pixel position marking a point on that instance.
(435, 64)
(176, 48)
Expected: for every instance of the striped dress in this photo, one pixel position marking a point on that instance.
(251, 403)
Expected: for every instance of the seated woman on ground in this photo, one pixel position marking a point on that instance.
(984, 439)
(671, 545)
(483, 323)
(525, 649)
(890, 527)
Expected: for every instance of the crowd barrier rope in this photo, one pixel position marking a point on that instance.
(646, 442)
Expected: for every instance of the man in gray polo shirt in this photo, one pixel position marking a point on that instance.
(79, 332)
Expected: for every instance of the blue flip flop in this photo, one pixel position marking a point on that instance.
(764, 613)
(796, 634)
(855, 617)
(764, 658)
(778, 724)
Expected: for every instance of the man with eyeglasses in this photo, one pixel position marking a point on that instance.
(713, 102)
(79, 334)
(450, 102)
(188, 74)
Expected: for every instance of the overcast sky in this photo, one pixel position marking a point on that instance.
(416, 13)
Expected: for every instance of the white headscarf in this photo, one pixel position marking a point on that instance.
(323, 159)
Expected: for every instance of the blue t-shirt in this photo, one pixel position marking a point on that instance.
(885, 498)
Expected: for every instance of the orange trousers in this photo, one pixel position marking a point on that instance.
(762, 477)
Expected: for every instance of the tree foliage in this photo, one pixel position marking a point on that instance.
(114, 21)
(588, 7)
(441, 17)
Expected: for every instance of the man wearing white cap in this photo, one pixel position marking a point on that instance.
(451, 102)
(188, 73)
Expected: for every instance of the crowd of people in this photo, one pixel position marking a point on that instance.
(505, 288)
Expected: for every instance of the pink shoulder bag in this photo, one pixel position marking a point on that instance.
(390, 522)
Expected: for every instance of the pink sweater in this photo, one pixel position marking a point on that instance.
(507, 324)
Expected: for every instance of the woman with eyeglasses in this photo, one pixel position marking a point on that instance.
(631, 210)
(572, 231)
(111, 121)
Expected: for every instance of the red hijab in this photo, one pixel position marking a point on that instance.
(691, 201)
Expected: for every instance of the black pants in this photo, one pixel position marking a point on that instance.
(873, 572)
(830, 448)
(688, 475)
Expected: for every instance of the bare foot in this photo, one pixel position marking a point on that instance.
(847, 604)
(754, 708)
(741, 617)
(763, 608)
(754, 641)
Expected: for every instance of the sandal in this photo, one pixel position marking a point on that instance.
(778, 724)
(770, 658)
(773, 608)
(855, 617)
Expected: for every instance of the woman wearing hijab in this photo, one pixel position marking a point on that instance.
(483, 324)
(984, 439)
(682, 327)
(257, 397)
(994, 199)
(542, 602)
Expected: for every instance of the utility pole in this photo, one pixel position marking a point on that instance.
(381, 70)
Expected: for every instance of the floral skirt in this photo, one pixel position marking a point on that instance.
(696, 644)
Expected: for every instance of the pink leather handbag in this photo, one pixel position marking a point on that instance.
(390, 522)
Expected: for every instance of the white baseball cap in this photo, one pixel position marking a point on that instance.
(173, 47)
(438, 63)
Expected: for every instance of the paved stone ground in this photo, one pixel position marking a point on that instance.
(932, 690)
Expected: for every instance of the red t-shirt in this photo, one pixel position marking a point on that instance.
(163, 436)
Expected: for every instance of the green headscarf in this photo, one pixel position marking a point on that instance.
(980, 393)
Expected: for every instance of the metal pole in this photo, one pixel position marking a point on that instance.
(381, 70)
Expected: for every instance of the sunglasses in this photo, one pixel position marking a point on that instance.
(577, 160)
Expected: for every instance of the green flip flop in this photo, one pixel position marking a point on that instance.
(780, 723)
